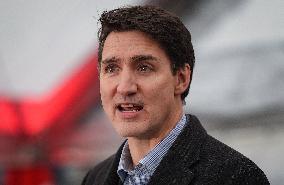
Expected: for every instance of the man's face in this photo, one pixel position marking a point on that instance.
(138, 89)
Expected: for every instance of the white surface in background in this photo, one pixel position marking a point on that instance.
(253, 21)
(239, 63)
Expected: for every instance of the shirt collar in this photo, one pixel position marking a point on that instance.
(151, 161)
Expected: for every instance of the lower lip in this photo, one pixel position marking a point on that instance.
(128, 115)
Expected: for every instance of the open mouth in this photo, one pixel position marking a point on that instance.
(129, 107)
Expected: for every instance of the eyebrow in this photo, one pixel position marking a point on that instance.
(134, 59)
(110, 60)
(141, 58)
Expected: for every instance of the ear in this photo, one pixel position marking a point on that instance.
(183, 79)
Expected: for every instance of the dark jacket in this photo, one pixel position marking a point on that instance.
(195, 158)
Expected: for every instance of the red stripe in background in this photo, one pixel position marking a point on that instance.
(34, 175)
(9, 119)
(60, 108)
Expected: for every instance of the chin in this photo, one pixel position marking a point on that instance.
(127, 133)
(130, 129)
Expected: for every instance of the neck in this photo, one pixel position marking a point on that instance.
(140, 147)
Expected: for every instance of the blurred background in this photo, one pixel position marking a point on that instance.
(52, 127)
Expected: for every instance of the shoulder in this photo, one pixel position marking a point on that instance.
(99, 171)
(227, 165)
(217, 162)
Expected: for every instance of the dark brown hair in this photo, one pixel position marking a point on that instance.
(160, 25)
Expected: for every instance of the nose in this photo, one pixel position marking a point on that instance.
(127, 84)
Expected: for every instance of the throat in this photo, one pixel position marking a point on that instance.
(140, 148)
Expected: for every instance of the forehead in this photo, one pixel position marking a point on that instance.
(129, 43)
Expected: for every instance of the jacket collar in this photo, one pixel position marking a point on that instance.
(177, 165)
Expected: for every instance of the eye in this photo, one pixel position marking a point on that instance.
(144, 68)
(111, 68)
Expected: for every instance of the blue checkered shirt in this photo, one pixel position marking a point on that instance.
(141, 174)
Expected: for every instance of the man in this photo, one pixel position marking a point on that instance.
(146, 61)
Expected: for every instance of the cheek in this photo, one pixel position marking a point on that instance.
(107, 105)
(105, 95)
(105, 88)
(163, 87)
(160, 99)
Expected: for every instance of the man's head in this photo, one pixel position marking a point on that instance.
(144, 70)
(163, 27)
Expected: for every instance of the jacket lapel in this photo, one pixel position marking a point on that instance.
(177, 166)
(111, 177)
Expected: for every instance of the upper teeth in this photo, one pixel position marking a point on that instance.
(130, 107)
(127, 105)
